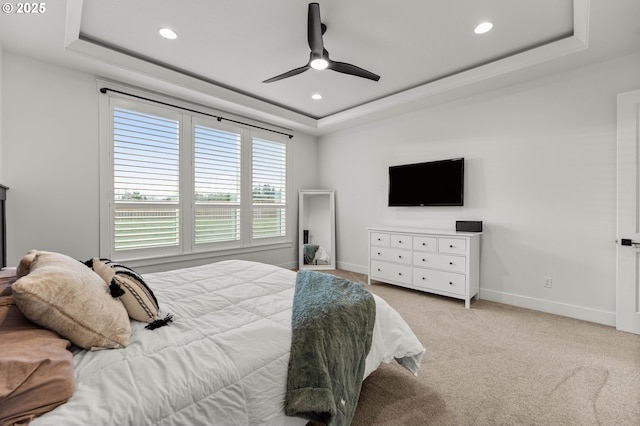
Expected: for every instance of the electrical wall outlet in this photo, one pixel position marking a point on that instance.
(548, 282)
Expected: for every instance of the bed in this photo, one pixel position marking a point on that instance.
(223, 359)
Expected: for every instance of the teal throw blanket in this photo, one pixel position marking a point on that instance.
(310, 253)
(332, 325)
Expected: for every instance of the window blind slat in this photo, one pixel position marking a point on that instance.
(216, 224)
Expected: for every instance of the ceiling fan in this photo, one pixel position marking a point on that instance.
(319, 57)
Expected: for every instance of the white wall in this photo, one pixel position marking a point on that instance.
(540, 172)
(50, 162)
(50, 151)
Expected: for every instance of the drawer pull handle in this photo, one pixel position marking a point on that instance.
(450, 245)
(450, 283)
(400, 273)
(450, 263)
(378, 253)
(424, 244)
(399, 257)
(378, 269)
(424, 260)
(424, 278)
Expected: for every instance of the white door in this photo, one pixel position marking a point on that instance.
(628, 249)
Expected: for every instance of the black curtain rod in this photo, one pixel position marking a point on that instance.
(106, 89)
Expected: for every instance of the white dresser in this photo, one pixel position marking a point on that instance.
(435, 261)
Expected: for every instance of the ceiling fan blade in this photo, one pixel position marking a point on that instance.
(352, 70)
(314, 29)
(288, 74)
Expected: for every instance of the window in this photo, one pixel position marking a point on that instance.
(217, 185)
(182, 183)
(145, 180)
(269, 188)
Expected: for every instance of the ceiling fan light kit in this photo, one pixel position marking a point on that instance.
(319, 58)
(319, 63)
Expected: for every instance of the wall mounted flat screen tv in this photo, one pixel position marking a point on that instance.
(435, 183)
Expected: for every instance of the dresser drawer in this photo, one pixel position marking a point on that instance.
(452, 245)
(429, 244)
(440, 261)
(391, 255)
(380, 239)
(440, 281)
(401, 241)
(390, 271)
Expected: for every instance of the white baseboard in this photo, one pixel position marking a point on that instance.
(571, 311)
(557, 308)
(289, 265)
(352, 267)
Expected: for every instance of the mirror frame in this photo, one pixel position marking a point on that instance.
(305, 196)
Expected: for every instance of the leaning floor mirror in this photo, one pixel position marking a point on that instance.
(316, 229)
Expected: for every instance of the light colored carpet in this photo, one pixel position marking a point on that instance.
(496, 364)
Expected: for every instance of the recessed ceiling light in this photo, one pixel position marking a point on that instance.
(168, 33)
(483, 27)
(316, 96)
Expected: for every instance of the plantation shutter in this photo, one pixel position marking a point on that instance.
(217, 185)
(145, 180)
(269, 183)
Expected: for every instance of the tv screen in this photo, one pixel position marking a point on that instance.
(435, 183)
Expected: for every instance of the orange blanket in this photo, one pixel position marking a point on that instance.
(36, 368)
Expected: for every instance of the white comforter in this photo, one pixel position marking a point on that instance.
(223, 361)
